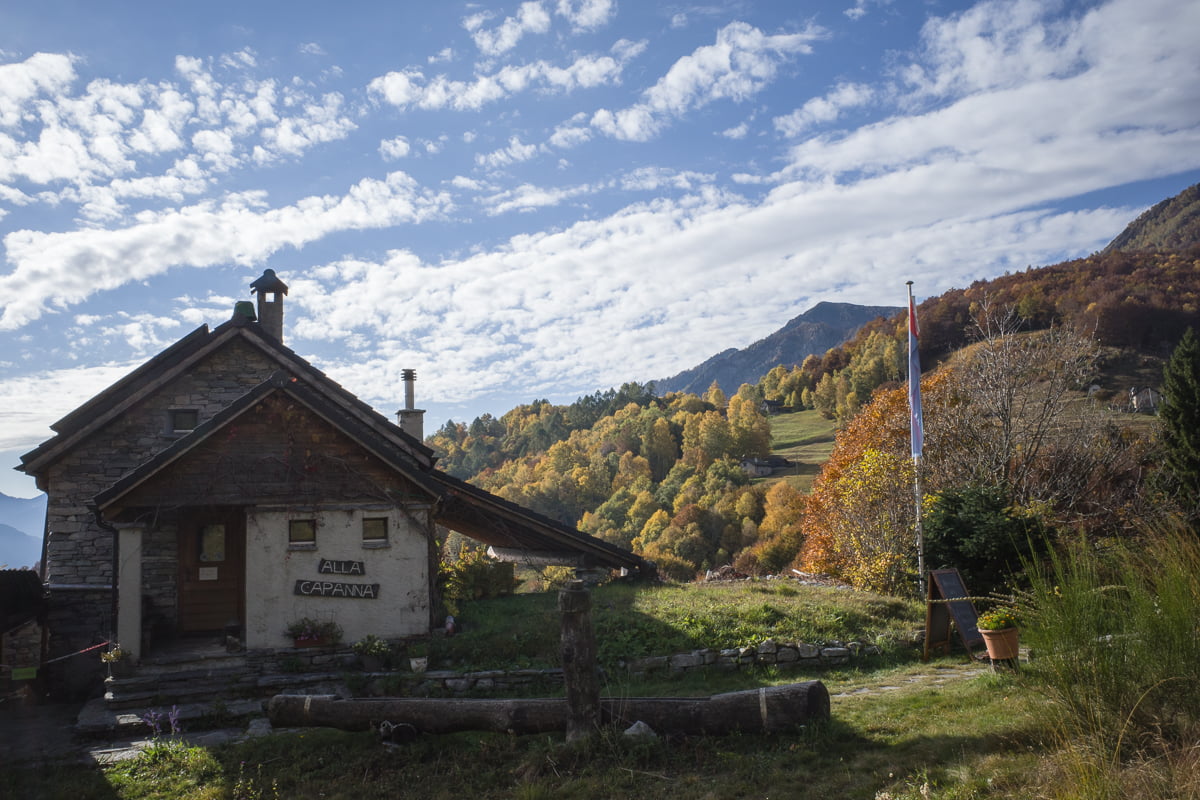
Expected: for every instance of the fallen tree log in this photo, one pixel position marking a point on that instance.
(767, 710)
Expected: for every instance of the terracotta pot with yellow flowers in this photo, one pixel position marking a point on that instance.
(1000, 629)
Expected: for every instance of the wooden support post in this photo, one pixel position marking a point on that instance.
(578, 648)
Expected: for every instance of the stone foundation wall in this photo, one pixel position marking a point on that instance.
(77, 618)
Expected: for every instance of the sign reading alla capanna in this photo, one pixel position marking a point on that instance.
(327, 567)
(365, 591)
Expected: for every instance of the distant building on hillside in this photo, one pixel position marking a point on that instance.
(762, 467)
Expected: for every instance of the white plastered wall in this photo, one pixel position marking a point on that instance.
(401, 568)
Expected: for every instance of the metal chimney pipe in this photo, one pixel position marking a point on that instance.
(409, 376)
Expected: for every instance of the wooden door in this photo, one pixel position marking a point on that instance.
(212, 569)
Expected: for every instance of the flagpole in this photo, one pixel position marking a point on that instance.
(916, 432)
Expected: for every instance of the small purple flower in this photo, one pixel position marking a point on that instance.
(153, 720)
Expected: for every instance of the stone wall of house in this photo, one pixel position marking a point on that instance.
(79, 556)
(160, 584)
(79, 552)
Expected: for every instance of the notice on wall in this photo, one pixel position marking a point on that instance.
(208, 573)
(362, 591)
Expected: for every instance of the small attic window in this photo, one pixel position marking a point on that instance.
(182, 420)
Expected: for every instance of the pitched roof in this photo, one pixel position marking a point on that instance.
(176, 360)
(384, 448)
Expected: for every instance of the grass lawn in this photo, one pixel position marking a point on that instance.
(900, 729)
(806, 439)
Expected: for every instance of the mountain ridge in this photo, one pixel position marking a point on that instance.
(824, 326)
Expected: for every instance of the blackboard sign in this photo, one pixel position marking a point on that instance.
(942, 605)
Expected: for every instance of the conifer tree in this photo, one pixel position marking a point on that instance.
(1180, 415)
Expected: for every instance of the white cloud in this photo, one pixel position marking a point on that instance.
(586, 15)
(463, 182)
(648, 179)
(320, 122)
(99, 146)
(527, 197)
(443, 55)
(570, 135)
(1086, 100)
(215, 147)
(61, 269)
(737, 132)
(741, 62)
(824, 109)
(512, 154)
(395, 148)
(573, 310)
(1000, 44)
(41, 73)
(531, 18)
(861, 8)
(411, 87)
(33, 401)
(312, 49)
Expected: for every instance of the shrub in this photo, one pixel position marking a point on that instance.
(473, 576)
(976, 532)
(1115, 638)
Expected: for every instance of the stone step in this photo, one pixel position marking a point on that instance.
(97, 719)
(181, 665)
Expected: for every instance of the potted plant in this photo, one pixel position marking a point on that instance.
(371, 651)
(307, 632)
(418, 656)
(120, 665)
(1000, 630)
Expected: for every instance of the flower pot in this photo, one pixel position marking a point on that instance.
(1002, 644)
(371, 663)
(418, 664)
(320, 641)
(120, 669)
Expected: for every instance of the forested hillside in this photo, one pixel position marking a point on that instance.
(1013, 441)
(1173, 224)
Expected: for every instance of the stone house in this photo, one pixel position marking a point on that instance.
(228, 487)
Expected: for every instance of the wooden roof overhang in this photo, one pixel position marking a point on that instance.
(509, 527)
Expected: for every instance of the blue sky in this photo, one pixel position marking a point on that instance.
(541, 199)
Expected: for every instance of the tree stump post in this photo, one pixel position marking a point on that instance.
(578, 648)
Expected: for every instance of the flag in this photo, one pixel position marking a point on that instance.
(914, 381)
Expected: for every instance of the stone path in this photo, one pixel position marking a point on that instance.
(932, 675)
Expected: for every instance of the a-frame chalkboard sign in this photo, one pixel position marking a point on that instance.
(948, 600)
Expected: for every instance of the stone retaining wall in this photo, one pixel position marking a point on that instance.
(767, 654)
(798, 655)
